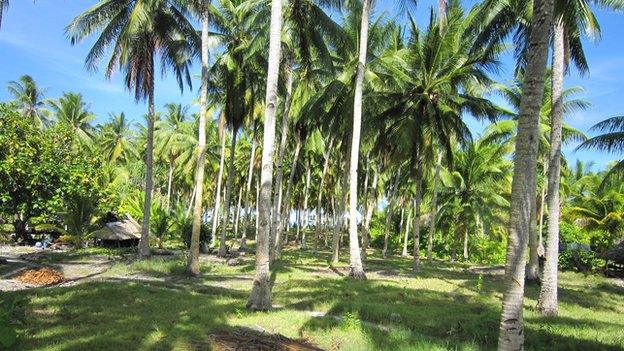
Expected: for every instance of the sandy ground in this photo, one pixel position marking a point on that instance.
(20, 258)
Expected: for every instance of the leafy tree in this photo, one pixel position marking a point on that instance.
(42, 172)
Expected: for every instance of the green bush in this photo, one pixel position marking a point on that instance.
(570, 233)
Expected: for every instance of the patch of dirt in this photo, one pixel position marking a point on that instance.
(42, 276)
(252, 340)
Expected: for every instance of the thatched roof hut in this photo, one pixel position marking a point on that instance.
(123, 230)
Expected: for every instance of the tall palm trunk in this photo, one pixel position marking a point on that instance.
(238, 211)
(406, 236)
(170, 181)
(279, 171)
(547, 301)
(243, 242)
(390, 212)
(216, 213)
(144, 249)
(306, 216)
(357, 270)
(339, 213)
(260, 298)
(370, 207)
(511, 335)
(417, 200)
(465, 243)
(532, 269)
(319, 198)
(193, 260)
(434, 209)
(228, 195)
(284, 215)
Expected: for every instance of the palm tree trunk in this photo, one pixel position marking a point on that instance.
(305, 206)
(357, 270)
(144, 249)
(193, 260)
(216, 212)
(370, 207)
(238, 210)
(319, 198)
(532, 269)
(434, 209)
(169, 183)
(389, 214)
(228, 194)
(284, 215)
(466, 243)
(279, 172)
(511, 336)
(406, 237)
(540, 231)
(260, 298)
(191, 202)
(243, 242)
(340, 209)
(547, 301)
(417, 200)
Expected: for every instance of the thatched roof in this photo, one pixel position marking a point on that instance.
(125, 229)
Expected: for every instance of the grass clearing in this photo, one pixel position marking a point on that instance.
(445, 307)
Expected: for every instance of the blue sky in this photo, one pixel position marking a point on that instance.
(32, 41)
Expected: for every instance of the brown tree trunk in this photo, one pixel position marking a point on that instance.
(511, 335)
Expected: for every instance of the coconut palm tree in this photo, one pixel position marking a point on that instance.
(116, 140)
(137, 33)
(475, 188)
(426, 96)
(232, 77)
(71, 111)
(505, 133)
(572, 19)
(260, 297)
(30, 99)
(511, 334)
(612, 140)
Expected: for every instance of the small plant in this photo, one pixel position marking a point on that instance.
(479, 283)
(351, 321)
(11, 314)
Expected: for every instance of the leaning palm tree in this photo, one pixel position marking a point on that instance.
(71, 111)
(30, 99)
(137, 34)
(511, 332)
(260, 297)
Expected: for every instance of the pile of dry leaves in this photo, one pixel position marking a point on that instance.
(42, 276)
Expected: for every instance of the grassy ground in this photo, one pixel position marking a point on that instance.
(151, 305)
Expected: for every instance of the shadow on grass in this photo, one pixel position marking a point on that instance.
(122, 315)
(180, 313)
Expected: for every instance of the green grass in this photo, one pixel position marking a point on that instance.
(446, 307)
